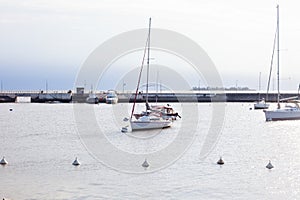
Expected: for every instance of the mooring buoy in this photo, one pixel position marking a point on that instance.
(3, 161)
(76, 162)
(220, 161)
(145, 164)
(269, 165)
(124, 129)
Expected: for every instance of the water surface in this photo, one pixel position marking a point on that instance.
(40, 141)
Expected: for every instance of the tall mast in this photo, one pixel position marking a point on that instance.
(271, 66)
(46, 86)
(148, 63)
(278, 91)
(259, 85)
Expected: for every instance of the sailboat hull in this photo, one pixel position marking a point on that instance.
(261, 106)
(146, 125)
(282, 114)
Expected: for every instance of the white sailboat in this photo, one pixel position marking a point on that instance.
(147, 120)
(288, 112)
(261, 104)
(92, 98)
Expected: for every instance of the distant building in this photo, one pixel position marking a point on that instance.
(80, 90)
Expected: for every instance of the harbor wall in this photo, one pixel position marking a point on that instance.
(36, 97)
(66, 97)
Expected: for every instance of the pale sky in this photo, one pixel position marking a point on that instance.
(50, 39)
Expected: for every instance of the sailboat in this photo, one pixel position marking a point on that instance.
(261, 104)
(92, 98)
(147, 119)
(288, 112)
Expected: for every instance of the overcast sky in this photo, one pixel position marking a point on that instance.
(49, 40)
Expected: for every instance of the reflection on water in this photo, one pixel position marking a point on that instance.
(40, 142)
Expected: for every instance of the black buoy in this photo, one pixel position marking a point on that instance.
(124, 129)
(145, 164)
(3, 161)
(269, 165)
(76, 162)
(220, 161)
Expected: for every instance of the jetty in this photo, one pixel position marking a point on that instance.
(36, 96)
(80, 96)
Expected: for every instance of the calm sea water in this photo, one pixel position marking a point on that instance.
(40, 142)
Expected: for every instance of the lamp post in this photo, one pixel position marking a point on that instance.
(124, 84)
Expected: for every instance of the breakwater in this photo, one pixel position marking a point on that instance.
(206, 97)
(69, 96)
(37, 97)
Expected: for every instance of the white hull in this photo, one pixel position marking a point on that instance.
(92, 100)
(145, 125)
(282, 114)
(23, 99)
(112, 101)
(111, 98)
(261, 106)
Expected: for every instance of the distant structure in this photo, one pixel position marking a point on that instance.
(222, 88)
(80, 90)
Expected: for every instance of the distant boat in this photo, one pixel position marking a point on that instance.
(111, 97)
(288, 112)
(147, 119)
(23, 99)
(261, 103)
(92, 98)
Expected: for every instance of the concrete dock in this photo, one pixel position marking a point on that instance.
(37, 96)
(189, 96)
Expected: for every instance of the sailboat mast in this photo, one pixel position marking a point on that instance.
(148, 63)
(278, 91)
(259, 85)
(271, 66)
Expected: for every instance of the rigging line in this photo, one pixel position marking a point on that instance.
(139, 79)
(271, 66)
(148, 63)
(278, 90)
